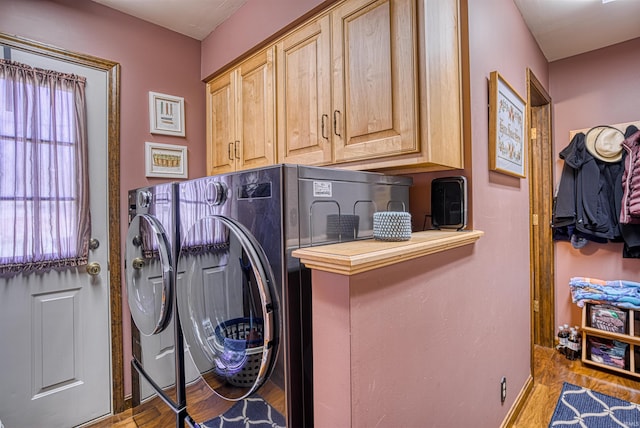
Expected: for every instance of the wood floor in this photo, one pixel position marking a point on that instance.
(202, 405)
(550, 371)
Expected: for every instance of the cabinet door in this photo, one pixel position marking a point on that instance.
(221, 108)
(375, 91)
(304, 95)
(255, 114)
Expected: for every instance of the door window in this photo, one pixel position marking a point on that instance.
(44, 202)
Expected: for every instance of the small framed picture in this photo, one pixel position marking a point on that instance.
(166, 114)
(507, 125)
(165, 160)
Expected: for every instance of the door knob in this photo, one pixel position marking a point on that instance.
(137, 263)
(93, 268)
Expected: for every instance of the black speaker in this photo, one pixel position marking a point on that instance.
(449, 203)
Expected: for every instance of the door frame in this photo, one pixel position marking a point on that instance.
(112, 70)
(541, 191)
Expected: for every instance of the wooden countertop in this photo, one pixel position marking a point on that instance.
(350, 258)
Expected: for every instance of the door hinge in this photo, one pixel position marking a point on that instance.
(534, 133)
(536, 306)
(534, 219)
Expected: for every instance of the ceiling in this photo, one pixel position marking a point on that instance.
(562, 28)
(193, 18)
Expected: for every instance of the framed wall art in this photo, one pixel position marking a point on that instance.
(165, 160)
(507, 125)
(166, 114)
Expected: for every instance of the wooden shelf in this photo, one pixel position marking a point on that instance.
(591, 331)
(632, 366)
(350, 258)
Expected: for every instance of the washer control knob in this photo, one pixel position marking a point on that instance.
(144, 198)
(216, 193)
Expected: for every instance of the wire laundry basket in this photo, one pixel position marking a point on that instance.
(240, 343)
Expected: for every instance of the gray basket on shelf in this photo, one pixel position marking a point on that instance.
(392, 226)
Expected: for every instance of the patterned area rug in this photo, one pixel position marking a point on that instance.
(248, 413)
(582, 407)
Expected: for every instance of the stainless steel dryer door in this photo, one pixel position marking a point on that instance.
(149, 271)
(227, 307)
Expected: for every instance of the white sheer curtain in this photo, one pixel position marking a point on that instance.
(44, 186)
(203, 233)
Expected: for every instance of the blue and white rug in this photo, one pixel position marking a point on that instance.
(582, 407)
(248, 413)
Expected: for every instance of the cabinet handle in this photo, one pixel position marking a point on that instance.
(236, 144)
(230, 151)
(335, 122)
(324, 116)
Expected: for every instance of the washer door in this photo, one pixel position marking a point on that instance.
(149, 271)
(228, 310)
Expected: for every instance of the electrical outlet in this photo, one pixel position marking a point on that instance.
(503, 390)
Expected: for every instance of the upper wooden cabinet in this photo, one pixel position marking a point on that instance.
(375, 79)
(304, 94)
(441, 51)
(241, 116)
(347, 84)
(365, 84)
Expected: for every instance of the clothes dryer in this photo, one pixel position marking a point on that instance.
(244, 302)
(229, 304)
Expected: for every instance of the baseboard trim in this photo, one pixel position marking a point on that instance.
(518, 404)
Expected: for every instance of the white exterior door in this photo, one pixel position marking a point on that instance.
(55, 346)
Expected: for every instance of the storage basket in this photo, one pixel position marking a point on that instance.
(608, 352)
(242, 353)
(392, 226)
(608, 318)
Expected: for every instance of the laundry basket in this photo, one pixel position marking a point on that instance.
(242, 353)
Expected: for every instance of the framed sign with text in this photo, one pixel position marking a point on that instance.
(507, 125)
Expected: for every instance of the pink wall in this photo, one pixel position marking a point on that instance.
(151, 59)
(254, 22)
(476, 301)
(332, 350)
(595, 88)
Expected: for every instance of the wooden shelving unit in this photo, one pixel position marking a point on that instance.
(631, 338)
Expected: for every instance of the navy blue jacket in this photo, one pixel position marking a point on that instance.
(587, 193)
